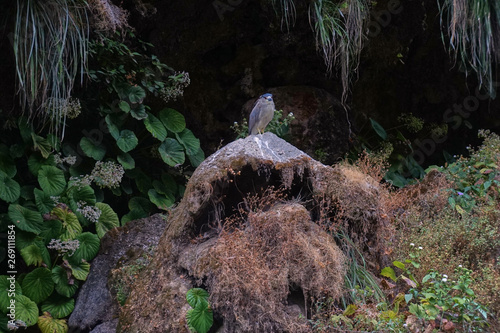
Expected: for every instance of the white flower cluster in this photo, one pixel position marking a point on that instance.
(80, 181)
(91, 213)
(64, 246)
(70, 160)
(107, 174)
(180, 80)
(70, 107)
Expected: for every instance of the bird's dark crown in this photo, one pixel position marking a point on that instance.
(268, 96)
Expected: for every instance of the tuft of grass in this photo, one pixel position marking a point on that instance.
(473, 29)
(50, 47)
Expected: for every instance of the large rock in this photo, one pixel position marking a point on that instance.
(96, 309)
(253, 230)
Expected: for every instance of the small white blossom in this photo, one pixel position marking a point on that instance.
(460, 266)
(445, 276)
(411, 244)
(420, 248)
(444, 279)
(64, 246)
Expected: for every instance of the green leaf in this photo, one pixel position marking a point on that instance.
(133, 215)
(173, 120)
(398, 264)
(408, 298)
(51, 180)
(38, 284)
(88, 248)
(189, 141)
(24, 238)
(171, 152)
(9, 188)
(108, 219)
(350, 310)
(161, 201)
(35, 162)
(71, 225)
(136, 94)
(139, 203)
(42, 145)
(25, 219)
(26, 310)
(388, 272)
(197, 158)
(126, 161)
(32, 255)
(43, 201)
(47, 324)
(62, 285)
(378, 129)
(5, 289)
(51, 229)
(58, 306)
(127, 141)
(91, 149)
(155, 127)
(195, 295)
(124, 106)
(112, 127)
(139, 112)
(80, 270)
(200, 318)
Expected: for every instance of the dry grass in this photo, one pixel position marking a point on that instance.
(263, 253)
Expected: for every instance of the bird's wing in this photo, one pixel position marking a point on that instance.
(254, 115)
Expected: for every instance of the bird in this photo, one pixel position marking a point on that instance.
(262, 113)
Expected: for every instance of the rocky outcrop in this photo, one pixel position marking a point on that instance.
(254, 229)
(96, 309)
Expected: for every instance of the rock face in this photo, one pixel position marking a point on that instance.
(253, 229)
(96, 308)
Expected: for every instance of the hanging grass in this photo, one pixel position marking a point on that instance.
(50, 48)
(473, 31)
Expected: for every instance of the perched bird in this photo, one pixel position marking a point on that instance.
(262, 113)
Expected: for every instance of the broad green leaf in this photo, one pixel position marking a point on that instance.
(197, 158)
(51, 180)
(155, 127)
(95, 150)
(408, 298)
(136, 94)
(36, 161)
(173, 120)
(84, 194)
(47, 324)
(51, 229)
(80, 270)
(201, 317)
(42, 145)
(378, 129)
(38, 284)
(24, 238)
(5, 290)
(126, 161)
(25, 219)
(171, 152)
(88, 248)
(43, 201)
(62, 286)
(26, 310)
(187, 139)
(9, 188)
(112, 126)
(32, 255)
(388, 272)
(58, 306)
(163, 189)
(108, 219)
(399, 264)
(195, 295)
(139, 203)
(71, 225)
(124, 106)
(139, 112)
(127, 141)
(160, 200)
